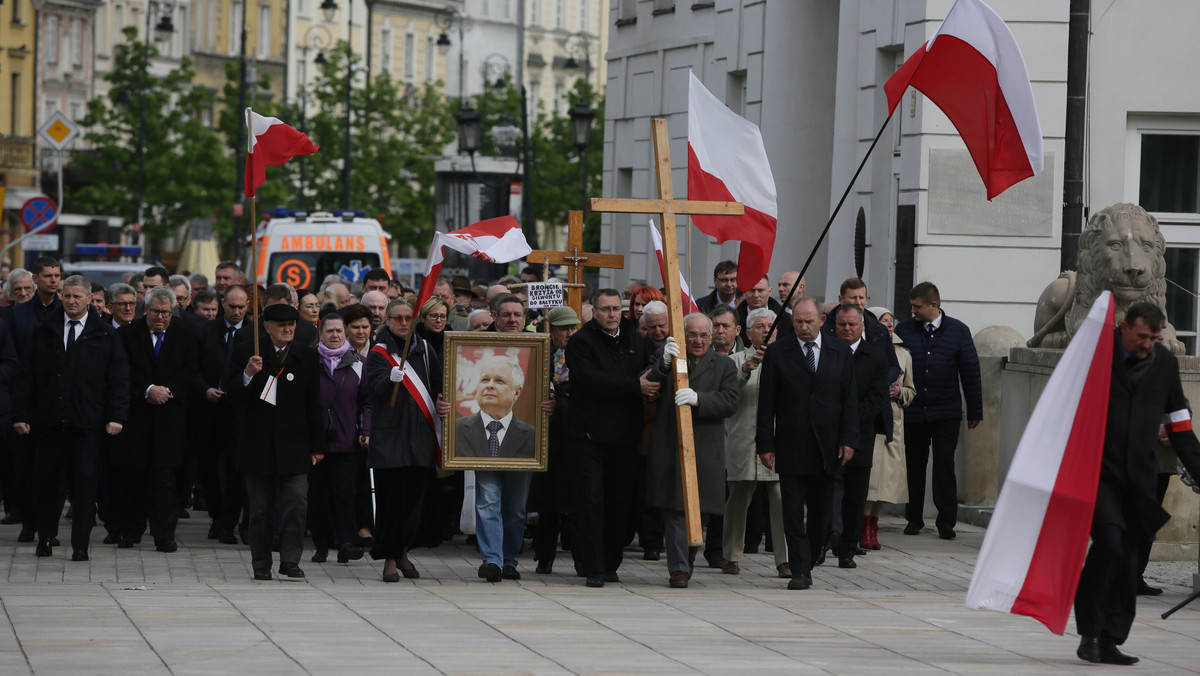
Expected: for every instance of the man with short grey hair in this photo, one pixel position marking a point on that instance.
(18, 288)
(122, 304)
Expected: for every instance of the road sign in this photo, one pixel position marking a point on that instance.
(40, 243)
(38, 211)
(59, 131)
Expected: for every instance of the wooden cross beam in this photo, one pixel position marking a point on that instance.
(667, 207)
(577, 259)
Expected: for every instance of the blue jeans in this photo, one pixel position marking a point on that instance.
(500, 515)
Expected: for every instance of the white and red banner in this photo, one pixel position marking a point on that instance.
(727, 162)
(270, 143)
(1033, 552)
(689, 306)
(498, 240)
(973, 70)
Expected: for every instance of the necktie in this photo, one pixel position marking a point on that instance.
(494, 428)
(810, 353)
(929, 329)
(71, 328)
(229, 331)
(157, 343)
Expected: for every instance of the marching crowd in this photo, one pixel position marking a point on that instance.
(163, 393)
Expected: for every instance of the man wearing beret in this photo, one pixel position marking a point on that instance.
(278, 394)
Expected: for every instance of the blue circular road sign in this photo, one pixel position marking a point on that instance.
(38, 211)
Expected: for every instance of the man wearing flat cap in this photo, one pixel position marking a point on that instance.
(281, 437)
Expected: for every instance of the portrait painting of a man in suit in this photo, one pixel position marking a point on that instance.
(495, 431)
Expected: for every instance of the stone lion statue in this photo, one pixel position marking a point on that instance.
(1120, 250)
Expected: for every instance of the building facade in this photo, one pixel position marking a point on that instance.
(65, 74)
(18, 65)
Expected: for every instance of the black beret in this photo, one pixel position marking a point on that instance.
(280, 312)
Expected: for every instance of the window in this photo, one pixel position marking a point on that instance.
(385, 49)
(535, 98)
(76, 43)
(429, 58)
(507, 9)
(535, 12)
(301, 9)
(627, 13)
(75, 110)
(235, 26)
(17, 14)
(1170, 173)
(1183, 270)
(583, 16)
(558, 97)
(49, 108)
(560, 14)
(51, 39)
(410, 57)
(17, 106)
(264, 32)
(483, 7)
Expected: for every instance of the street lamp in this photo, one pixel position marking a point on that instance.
(446, 18)
(319, 41)
(164, 28)
(469, 135)
(328, 8)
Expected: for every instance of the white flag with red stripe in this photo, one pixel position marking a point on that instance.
(498, 240)
(973, 70)
(689, 305)
(1036, 541)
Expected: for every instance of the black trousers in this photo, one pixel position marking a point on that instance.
(399, 496)
(602, 514)
(332, 494)
(1160, 491)
(856, 482)
(292, 493)
(20, 491)
(148, 493)
(1107, 595)
(67, 457)
(813, 492)
(918, 437)
(649, 520)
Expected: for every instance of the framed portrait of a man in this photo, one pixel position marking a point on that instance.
(495, 383)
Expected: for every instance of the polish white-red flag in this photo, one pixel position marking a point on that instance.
(727, 162)
(1033, 552)
(689, 306)
(973, 70)
(496, 240)
(270, 143)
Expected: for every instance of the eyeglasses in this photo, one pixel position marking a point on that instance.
(396, 318)
(437, 318)
(158, 313)
(130, 303)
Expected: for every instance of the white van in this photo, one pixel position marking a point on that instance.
(301, 248)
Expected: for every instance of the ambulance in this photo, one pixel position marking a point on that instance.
(302, 248)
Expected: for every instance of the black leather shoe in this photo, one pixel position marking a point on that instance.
(800, 583)
(595, 581)
(112, 539)
(1089, 649)
(227, 537)
(26, 534)
(79, 554)
(320, 556)
(44, 548)
(651, 555)
(54, 542)
(391, 577)
(212, 531)
(10, 518)
(846, 562)
(913, 529)
(820, 558)
(611, 576)
(410, 573)
(946, 533)
(510, 573)
(713, 560)
(126, 542)
(1110, 654)
(348, 553)
(262, 574)
(168, 547)
(490, 572)
(544, 568)
(290, 570)
(1144, 589)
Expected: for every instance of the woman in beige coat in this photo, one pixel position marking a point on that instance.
(889, 475)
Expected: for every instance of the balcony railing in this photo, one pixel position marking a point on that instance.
(16, 153)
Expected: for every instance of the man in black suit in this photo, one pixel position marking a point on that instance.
(276, 294)
(163, 377)
(871, 382)
(500, 384)
(281, 437)
(725, 291)
(1145, 388)
(807, 429)
(72, 388)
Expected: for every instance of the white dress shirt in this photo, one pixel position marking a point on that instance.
(67, 326)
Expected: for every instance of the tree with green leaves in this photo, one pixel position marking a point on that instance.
(186, 170)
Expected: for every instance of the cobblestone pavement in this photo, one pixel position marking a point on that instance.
(197, 611)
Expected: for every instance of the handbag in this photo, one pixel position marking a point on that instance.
(329, 423)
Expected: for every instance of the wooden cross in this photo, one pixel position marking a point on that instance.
(668, 207)
(577, 258)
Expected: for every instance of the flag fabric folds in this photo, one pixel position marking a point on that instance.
(689, 306)
(498, 240)
(973, 70)
(1033, 552)
(727, 162)
(270, 143)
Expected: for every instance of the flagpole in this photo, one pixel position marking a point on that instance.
(253, 231)
(412, 328)
(812, 254)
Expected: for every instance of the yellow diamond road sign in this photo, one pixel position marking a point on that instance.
(59, 131)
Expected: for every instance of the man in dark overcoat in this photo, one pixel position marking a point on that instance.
(72, 388)
(278, 395)
(149, 454)
(1145, 387)
(807, 429)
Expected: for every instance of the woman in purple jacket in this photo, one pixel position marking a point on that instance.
(332, 485)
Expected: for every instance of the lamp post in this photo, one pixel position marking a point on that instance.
(165, 27)
(328, 8)
(446, 18)
(319, 41)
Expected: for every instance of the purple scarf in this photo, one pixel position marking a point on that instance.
(331, 357)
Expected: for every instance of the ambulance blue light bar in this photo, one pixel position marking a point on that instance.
(300, 214)
(107, 250)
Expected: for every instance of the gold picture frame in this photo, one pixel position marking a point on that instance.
(472, 357)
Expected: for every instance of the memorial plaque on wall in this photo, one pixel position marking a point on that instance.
(958, 202)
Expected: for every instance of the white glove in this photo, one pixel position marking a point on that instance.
(670, 352)
(686, 397)
(396, 375)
